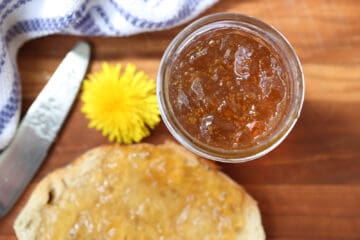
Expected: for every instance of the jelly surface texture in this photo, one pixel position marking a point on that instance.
(228, 89)
(144, 192)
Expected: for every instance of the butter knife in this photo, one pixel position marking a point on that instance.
(20, 161)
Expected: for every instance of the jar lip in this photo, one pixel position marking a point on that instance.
(218, 154)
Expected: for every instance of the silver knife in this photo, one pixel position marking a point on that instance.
(20, 161)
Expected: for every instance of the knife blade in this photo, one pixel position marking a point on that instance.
(36, 133)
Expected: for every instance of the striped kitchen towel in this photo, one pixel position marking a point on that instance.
(21, 20)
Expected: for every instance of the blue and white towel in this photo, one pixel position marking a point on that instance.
(22, 20)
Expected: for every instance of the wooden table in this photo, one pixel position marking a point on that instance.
(309, 187)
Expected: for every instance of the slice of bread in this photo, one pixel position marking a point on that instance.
(140, 191)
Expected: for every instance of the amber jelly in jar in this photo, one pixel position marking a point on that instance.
(230, 87)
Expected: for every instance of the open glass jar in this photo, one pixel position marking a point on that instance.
(230, 87)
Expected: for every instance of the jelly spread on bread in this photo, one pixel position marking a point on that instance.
(145, 193)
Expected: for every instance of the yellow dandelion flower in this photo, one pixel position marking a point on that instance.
(123, 107)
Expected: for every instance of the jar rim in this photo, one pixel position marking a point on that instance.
(215, 153)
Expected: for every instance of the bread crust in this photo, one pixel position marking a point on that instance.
(53, 185)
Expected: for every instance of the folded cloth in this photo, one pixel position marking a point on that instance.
(21, 20)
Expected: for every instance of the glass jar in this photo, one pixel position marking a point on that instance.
(194, 35)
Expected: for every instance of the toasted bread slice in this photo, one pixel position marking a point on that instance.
(140, 191)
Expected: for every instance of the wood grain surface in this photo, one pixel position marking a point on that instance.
(309, 187)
